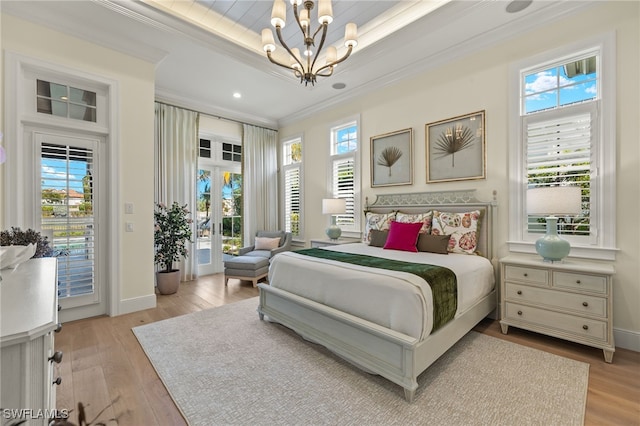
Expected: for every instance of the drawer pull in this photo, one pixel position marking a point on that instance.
(526, 275)
(578, 282)
(585, 327)
(519, 312)
(519, 292)
(56, 357)
(57, 381)
(585, 304)
(58, 328)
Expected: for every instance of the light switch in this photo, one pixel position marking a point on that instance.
(128, 208)
(129, 227)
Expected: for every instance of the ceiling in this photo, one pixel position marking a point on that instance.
(207, 50)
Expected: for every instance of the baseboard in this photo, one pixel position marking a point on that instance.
(137, 304)
(627, 339)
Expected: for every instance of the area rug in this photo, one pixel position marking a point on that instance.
(225, 366)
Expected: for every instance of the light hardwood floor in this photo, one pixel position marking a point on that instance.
(104, 366)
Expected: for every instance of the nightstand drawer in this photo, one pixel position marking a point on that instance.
(578, 327)
(527, 275)
(573, 302)
(575, 281)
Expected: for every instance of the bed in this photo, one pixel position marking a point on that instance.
(391, 332)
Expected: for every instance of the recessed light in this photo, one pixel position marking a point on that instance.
(237, 95)
(339, 86)
(517, 5)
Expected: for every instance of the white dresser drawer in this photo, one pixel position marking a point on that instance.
(527, 275)
(594, 283)
(581, 328)
(571, 302)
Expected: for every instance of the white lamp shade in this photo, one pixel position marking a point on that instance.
(334, 206)
(554, 200)
(268, 43)
(279, 13)
(325, 12)
(351, 35)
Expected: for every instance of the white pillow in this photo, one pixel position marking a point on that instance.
(264, 243)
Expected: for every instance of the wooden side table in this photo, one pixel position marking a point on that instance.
(571, 300)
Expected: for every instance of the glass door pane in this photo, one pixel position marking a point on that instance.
(231, 212)
(204, 217)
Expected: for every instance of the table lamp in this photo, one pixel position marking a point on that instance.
(333, 206)
(551, 201)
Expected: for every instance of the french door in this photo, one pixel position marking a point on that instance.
(219, 231)
(70, 204)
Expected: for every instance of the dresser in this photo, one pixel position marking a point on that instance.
(571, 300)
(28, 321)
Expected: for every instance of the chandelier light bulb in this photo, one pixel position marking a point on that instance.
(332, 54)
(351, 35)
(305, 21)
(325, 12)
(268, 43)
(279, 13)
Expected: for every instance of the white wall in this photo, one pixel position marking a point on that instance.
(135, 79)
(479, 82)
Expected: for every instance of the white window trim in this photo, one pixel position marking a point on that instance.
(605, 152)
(283, 169)
(356, 230)
(17, 66)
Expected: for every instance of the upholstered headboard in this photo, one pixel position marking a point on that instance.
(448, 201)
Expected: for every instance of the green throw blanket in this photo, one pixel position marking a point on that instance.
(441, 280)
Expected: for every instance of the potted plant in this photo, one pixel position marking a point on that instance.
(171, 234)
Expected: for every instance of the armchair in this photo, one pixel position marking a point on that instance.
(262, 250)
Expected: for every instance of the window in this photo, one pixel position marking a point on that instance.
(205, 148)
(292, 184)
(345, 174)
(65, 101)
(231, 152)
(565, 136)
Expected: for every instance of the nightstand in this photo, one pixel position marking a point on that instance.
(327, 242)
(571, 300)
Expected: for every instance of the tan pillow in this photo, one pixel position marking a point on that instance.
(264, 243)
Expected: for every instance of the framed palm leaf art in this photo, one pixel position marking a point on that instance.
(455, 148)
(392, 158)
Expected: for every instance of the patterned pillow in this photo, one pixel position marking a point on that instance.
(425, 218)
(461, 227)
(379, 221)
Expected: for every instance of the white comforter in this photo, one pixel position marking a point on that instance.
(397, 300)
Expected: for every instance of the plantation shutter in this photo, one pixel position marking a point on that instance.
(67, 214)
(292, 199)
(559, 150)
(344, 187)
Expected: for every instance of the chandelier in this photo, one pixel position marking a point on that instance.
(306, 68)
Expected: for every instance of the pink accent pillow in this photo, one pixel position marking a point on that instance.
(403, 236)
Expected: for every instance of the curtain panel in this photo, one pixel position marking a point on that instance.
(176, 162)
(260, 180)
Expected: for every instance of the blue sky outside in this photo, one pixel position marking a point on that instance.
(552, 88)
(54, 174)
(347, 140)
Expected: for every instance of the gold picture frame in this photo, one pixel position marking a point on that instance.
(455, 148)
(392, 158)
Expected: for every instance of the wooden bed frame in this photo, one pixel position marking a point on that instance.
(393, 355)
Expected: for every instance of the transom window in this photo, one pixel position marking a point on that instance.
(65, 101)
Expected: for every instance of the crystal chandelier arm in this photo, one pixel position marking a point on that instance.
(334, 63)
